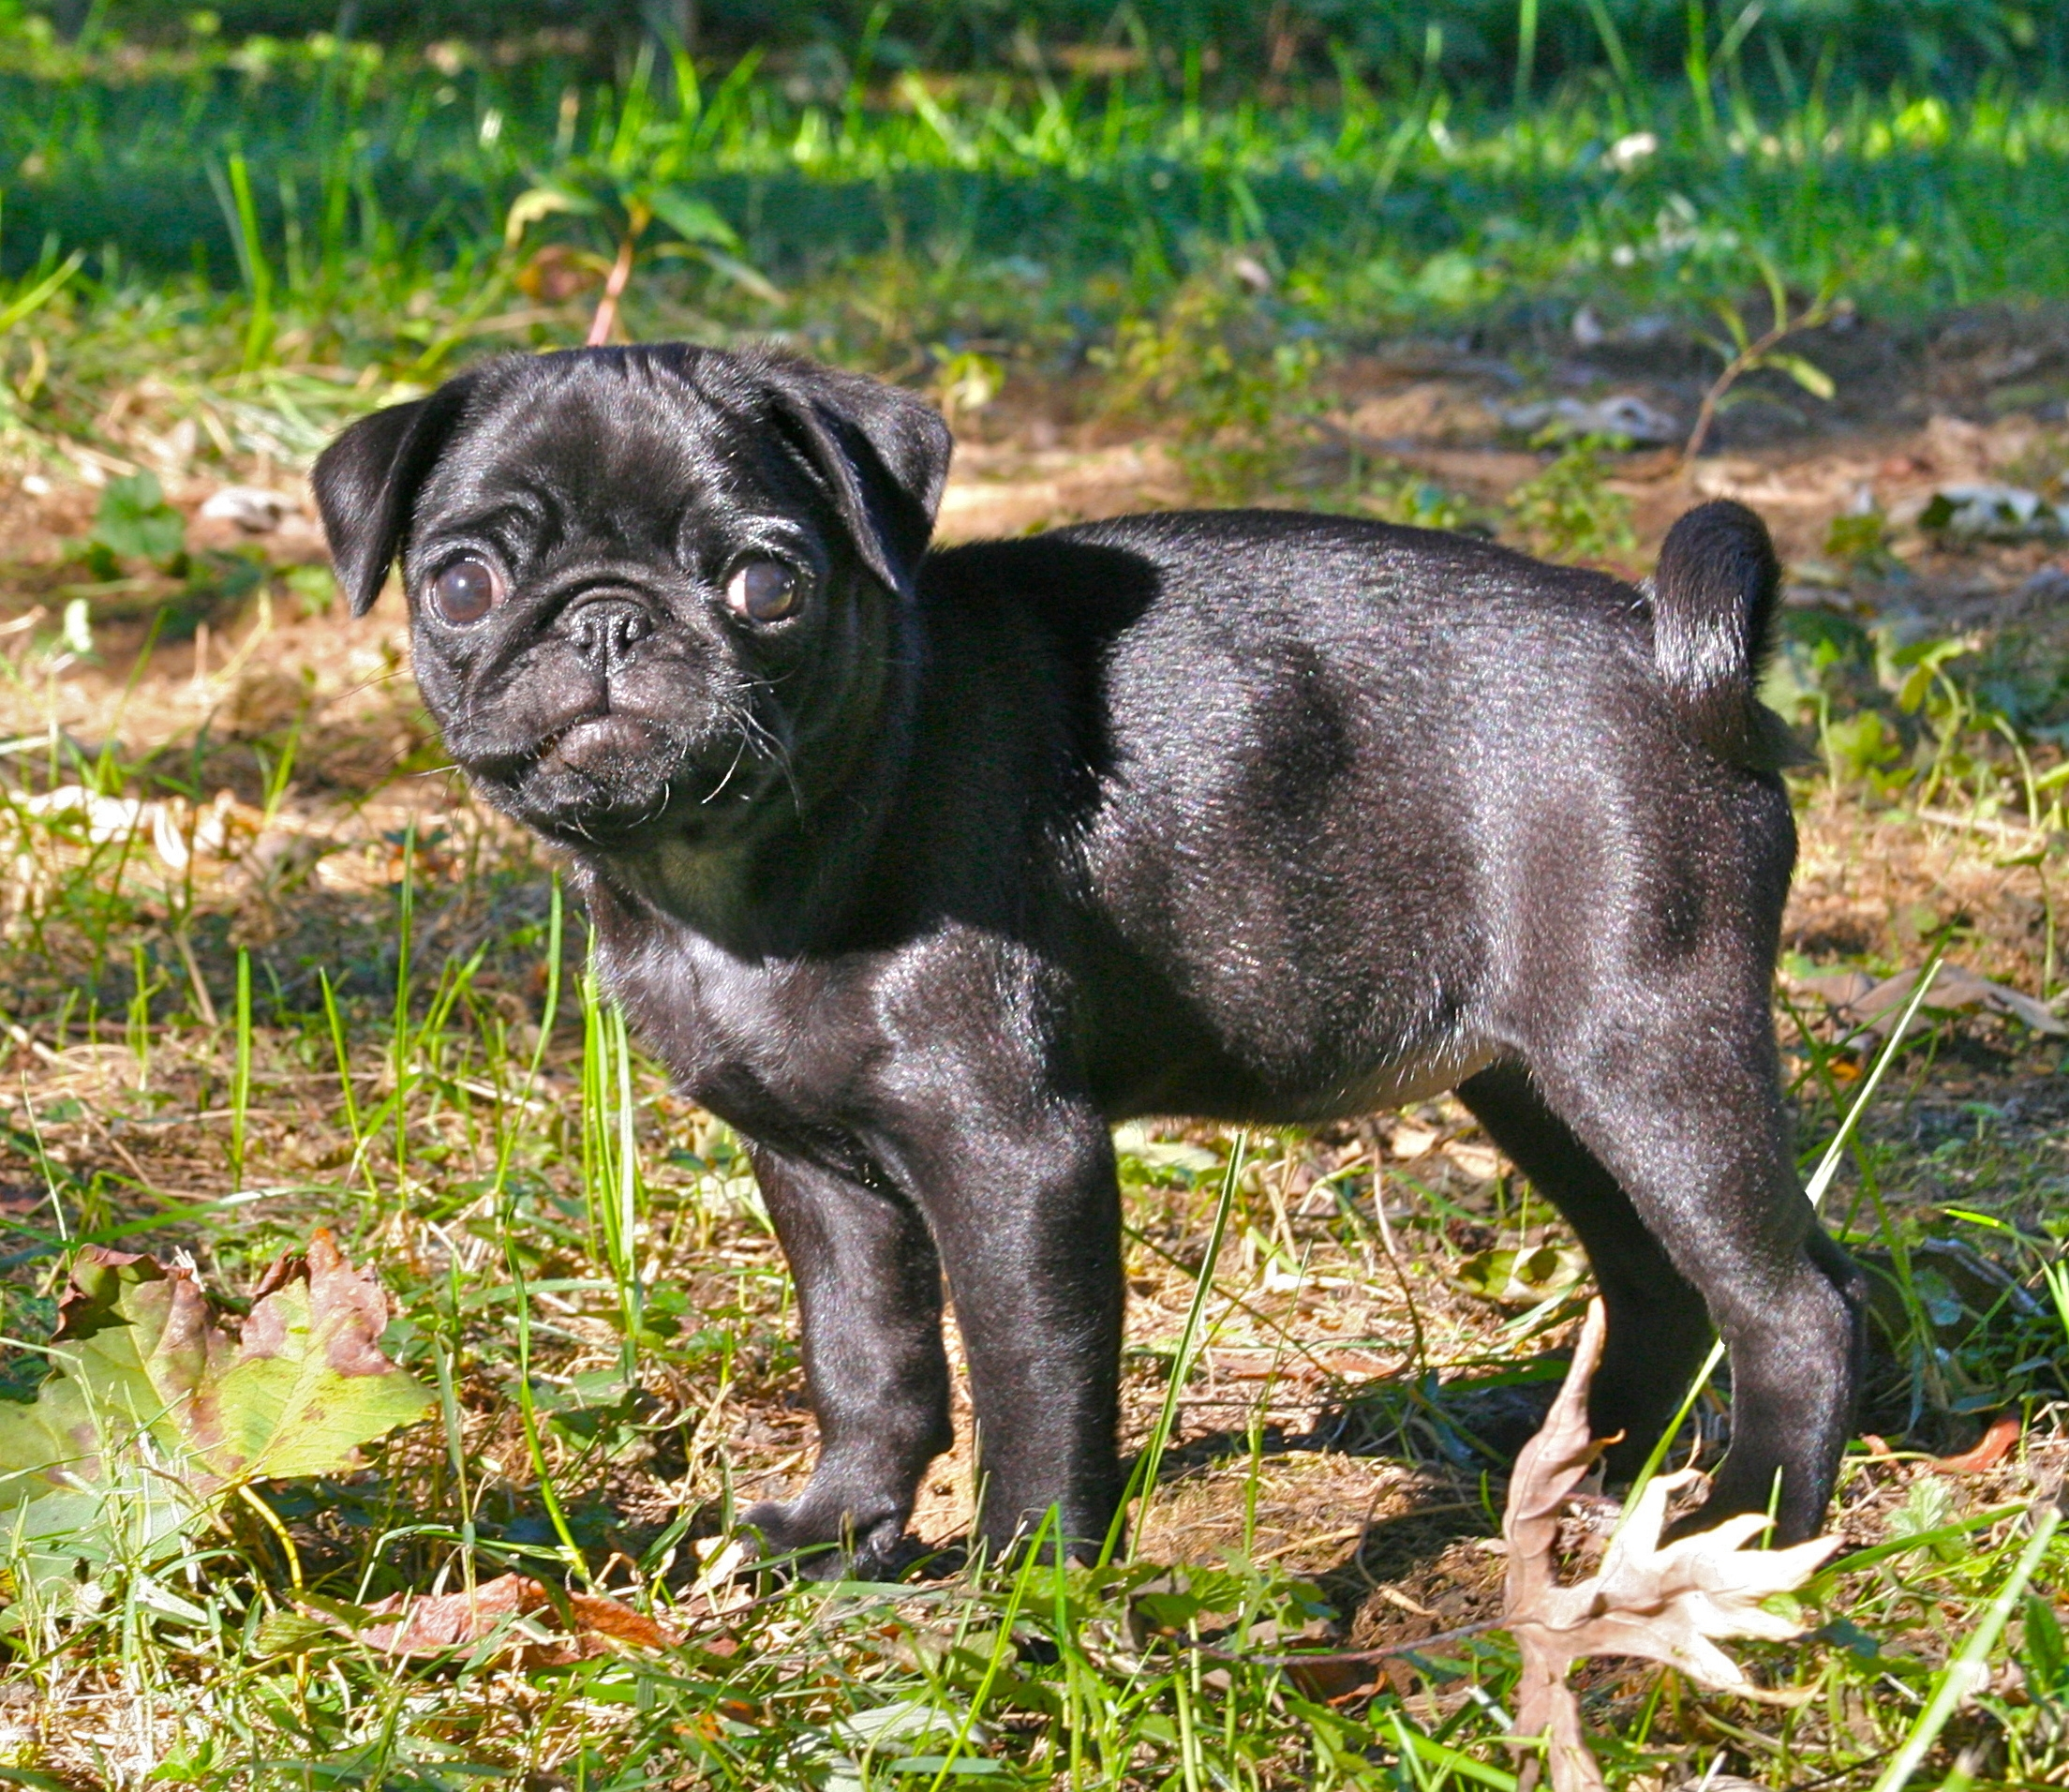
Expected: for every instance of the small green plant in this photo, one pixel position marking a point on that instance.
(965, 381)
(133, 521)
(1221, 361)
(1568, 512)
(1862, 748)
(1743, 353)
(154, 1417)
(627, 184)
(1860, 540)
(1417, 501)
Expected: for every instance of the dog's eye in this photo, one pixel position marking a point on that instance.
(762, 590)
(465, 591)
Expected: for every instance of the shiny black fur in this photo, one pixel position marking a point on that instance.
(1261, 816)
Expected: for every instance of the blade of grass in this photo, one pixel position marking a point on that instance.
(139, 1029)
(399, 1026)
(1031, 1558)
(625, 1264)
(1143, 1480)
(40, 294)
(240, 1092)
(1855, 1560)
(1526, 50)
(528, 1418)
(252, 253)
(1968, 1670)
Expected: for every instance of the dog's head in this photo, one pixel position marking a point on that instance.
(643, 583)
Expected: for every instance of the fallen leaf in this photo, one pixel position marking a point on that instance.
(722, 1586)
(539, 1625)
(255, 509)
(1841, 989)
(1667, 1604)
(310, 1382)
(1332, 1680)
(1409, 1140)
(1992, 1448)
(1873, 1008)
(152, 1403)
(1522, 1277)
(1549, 1468)
(177, 828)
(1482, 1162)
(1995, 512)
(1623, 414)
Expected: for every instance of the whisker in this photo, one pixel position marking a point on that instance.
(729, 770)
(777, 750)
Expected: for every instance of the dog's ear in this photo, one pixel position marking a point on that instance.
(881, 452)
(367, 484)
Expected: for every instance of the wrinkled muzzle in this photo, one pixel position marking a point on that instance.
(614, 721)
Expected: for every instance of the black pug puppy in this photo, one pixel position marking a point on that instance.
(922, 870)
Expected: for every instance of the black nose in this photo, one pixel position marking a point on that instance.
(604, 630)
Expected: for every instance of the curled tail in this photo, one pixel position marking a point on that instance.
(1714, 597)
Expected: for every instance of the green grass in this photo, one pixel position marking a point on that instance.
(283, 228)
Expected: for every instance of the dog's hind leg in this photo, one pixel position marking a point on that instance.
(1678, 1105)
(1659, 1327)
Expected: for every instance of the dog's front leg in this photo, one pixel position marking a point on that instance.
(1027, 1216)
(869, 1292)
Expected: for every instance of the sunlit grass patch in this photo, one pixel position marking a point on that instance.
(277, 241)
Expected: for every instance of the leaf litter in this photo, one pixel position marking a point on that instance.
(531, 1622)
(1872, 1004)
(1671, 1603)
(154, 1412)
(536, 1624)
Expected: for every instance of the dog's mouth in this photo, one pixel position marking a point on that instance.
(614, 774)
(603, 745)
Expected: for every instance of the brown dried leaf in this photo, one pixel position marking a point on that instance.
(1545, 1705)
(1549, 1468)
(1873, 1007)
(540, 1626)
(1332, 1680)
(1989, 1450)
(1665, 1603)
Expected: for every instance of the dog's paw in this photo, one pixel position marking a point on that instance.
(800, 1537)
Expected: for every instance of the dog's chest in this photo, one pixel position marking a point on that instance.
(761, 1044)
(837, 1057)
